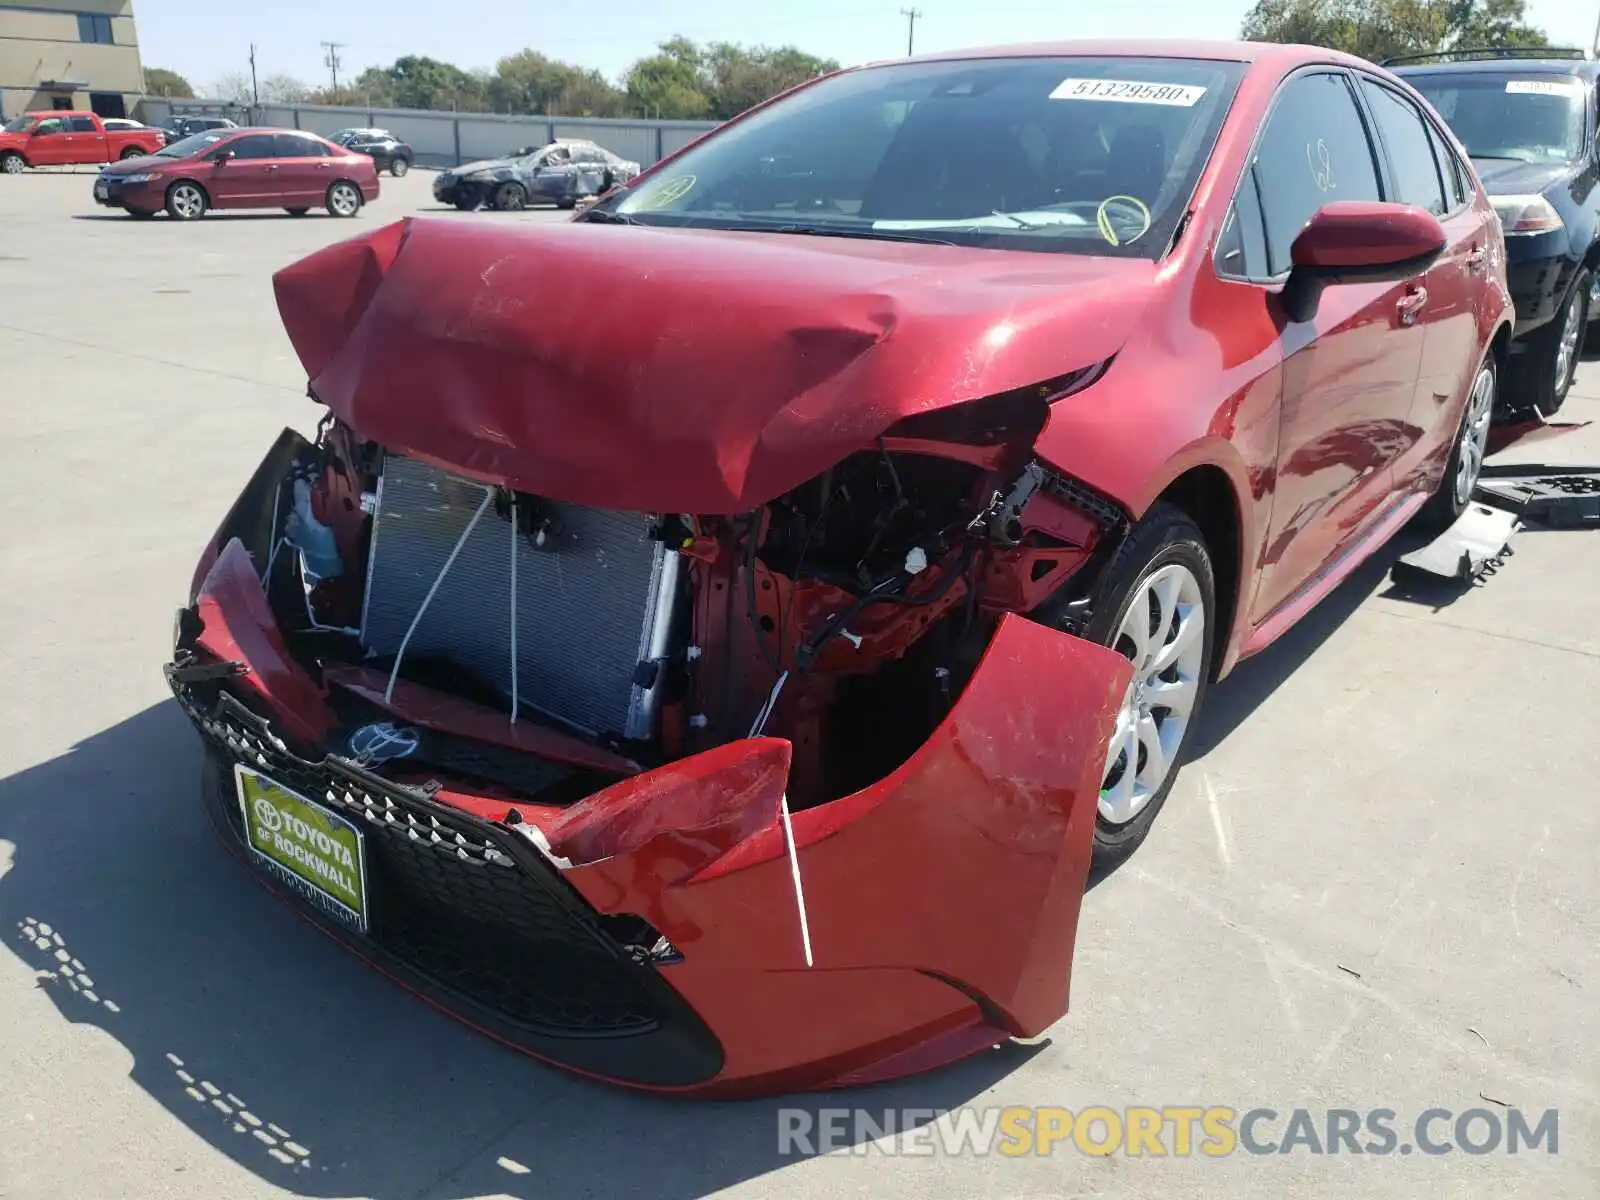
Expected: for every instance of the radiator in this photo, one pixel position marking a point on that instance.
(591, 606)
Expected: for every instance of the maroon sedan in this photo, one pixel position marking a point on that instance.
(241, 168)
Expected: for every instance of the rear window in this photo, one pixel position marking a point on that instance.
(1521, 116)
(1074, 154)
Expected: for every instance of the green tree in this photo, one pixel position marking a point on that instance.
(416, 81)
(670, 83)
(741, 77)
(158, 81)
(530, 82)
(1379, 29)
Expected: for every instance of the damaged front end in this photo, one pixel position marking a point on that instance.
(793, 797)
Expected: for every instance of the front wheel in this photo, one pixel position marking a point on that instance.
(465, 203)
(510, 197)
(344, 200)
(12, 163)
(1155, 605)
(1551, 361)
(567, 202)
(132, 152)
(186, 201)
(399, 167)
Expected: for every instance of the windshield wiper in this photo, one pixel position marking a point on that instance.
(847, 231)
(603, 216)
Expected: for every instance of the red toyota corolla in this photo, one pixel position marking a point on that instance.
(707, 642)
(241, 168)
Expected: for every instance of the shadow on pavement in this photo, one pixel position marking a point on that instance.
(295, 1060)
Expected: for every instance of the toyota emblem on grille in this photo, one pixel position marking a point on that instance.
(381, 743)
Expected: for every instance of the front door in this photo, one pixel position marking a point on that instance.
(246, 175)
(50, 144)
(1350, 372)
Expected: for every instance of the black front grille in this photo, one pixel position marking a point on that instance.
(471, 907)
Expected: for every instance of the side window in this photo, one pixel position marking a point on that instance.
(48, 126)
(1405, 135)
(1455, 180)
(1314, 150)
(83, 125)
(257, 145)
(289, 145)
(1242, 248)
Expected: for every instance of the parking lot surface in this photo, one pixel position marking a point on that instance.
(1377, 887)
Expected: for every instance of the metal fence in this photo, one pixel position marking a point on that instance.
(447, 139)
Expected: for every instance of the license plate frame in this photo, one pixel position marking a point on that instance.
(298, 841)
(102, 190)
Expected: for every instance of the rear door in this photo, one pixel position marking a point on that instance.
(1428, 174)
(304, 170)
(247, 178)
(86, 140)
(1349, 373)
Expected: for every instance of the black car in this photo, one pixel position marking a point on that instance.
(562, 173)
(178, 128)
(1528, 119)
(387, 151)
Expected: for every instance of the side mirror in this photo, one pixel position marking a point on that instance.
(1358, 241)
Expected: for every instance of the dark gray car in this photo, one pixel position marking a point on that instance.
(562, 173)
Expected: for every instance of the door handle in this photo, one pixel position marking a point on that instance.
(1411, 304)
(1476, 258)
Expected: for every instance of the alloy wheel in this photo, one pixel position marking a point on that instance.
(399, 167)
(186, 198)
(1163, 634)
(1571, 338)
(1474, 435)
(14, 164)
(344, 200)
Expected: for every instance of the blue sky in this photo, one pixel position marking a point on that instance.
(204, 40)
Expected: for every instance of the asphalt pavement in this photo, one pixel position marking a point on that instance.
(1378, 886)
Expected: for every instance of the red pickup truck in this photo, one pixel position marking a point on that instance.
(46, 139)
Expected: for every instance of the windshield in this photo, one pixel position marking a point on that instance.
(192, 145)
(1535, 119)
(19, 124)
(1080, 155)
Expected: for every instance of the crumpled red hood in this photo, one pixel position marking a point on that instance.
(654, 370)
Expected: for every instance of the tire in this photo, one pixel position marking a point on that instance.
(567, 202)
(1551, 361)
(1163, 549)
(509, 197)
(1450, 498)
(297, 212)
(398, 167)
(132, 152)
(343, 199)
(187, 201)
(12, 163)
(465, 204)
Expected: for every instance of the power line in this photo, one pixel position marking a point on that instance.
(332, 61)
(255, 91)
(911, 15)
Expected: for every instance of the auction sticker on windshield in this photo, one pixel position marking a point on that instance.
(1124, 91)
(1544, 87)
(316, 852)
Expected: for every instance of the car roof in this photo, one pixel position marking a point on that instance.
(1512, 65)
(1287, 55)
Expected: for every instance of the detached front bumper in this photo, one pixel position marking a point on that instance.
(937, 908)
(450, 190)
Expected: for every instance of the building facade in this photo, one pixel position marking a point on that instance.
(78, 54)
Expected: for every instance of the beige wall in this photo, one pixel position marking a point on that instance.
(39, 41)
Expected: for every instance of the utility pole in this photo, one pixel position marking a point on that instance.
(332, 60)
(255, 91)
(911, 15)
